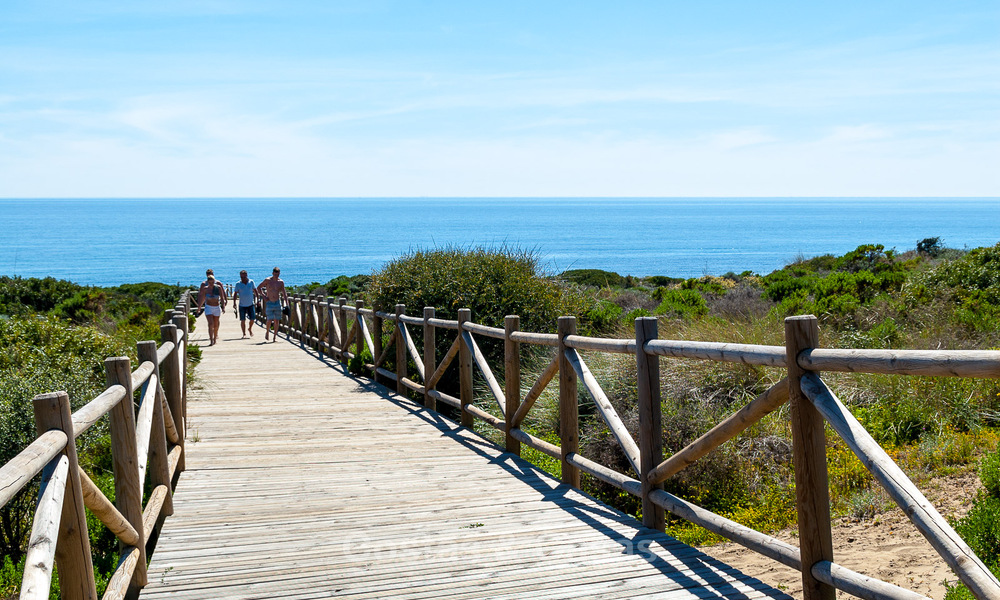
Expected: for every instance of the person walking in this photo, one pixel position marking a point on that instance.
(274, 290)
(212, 298)
(245, 292)
(204, 284)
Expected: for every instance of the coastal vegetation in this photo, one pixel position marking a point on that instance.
(931, 297)
(55, 335)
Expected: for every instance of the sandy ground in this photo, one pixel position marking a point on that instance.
(887, 547)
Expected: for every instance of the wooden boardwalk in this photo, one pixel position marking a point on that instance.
(304, 482)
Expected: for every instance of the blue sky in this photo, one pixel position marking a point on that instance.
(419, 98)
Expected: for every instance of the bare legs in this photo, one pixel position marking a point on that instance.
(213, 329)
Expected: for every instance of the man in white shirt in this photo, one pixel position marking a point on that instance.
(246, 292)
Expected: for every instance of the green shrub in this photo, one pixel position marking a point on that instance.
(594, 278)
(492, 282)
(20, 296)
(605, 316)
(82, 307)
(930, 246)
(989, 473)
(708, 285)
(680, 303)
(662, 281)
(980, 528)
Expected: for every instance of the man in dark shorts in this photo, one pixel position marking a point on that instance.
(246, 292)
(274, 291)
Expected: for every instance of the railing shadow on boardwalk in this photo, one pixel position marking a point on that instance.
(559, 494)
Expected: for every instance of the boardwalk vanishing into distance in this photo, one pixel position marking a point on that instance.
(277, 474)
(303, 481)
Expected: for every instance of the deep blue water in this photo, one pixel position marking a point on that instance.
(107, 242)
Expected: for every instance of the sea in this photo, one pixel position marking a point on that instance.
(113, 241)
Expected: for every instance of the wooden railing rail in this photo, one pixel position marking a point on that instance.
(150, 439)
(812, 405)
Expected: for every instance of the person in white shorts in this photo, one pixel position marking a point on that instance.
(212, 298)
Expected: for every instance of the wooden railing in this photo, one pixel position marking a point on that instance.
(149, 440)
(323, 324)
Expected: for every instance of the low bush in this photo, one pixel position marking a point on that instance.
(594, 278)
(492, 282)
(680, 303)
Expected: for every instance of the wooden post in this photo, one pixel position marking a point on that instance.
(377, 326)
(73, 558)
(181, 321)
(812, 491)
(430, 358)
(128, 488)
(294, 321)
(569, 419)
(311, 327)
(360, 335)
(342, 319)
(331, 332)
(650, 429)
(512, 379)
(172, 385)
(159, 464)
(321, 323)
(464, 367)
(400, 350)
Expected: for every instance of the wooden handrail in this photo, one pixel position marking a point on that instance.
(490, 332)
(141, 374)
(767, 356)
(85, 418)
(930, 363)
(538, 339)
(29, 462)
(66, 489)
(409, 319)
(824, 575)
(580, 342)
